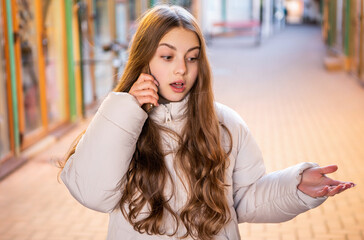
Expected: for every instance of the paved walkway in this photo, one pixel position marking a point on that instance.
(297, 112)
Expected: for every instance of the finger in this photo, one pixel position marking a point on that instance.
(145, 93)
(328, 169)
(144, 76)
(148, 77)
(348, 185)
(147, 84)
(332, 182)
(335, 190)
(323, 192)
(147, 99)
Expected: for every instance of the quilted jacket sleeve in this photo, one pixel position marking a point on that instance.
(104, 152)
(261, 197)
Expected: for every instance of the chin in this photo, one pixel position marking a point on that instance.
(175, 98)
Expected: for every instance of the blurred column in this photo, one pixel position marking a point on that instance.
(11, 74)
(123, 35)
(339, 26)
(223, 11)
(349, 31)
(54, 48)
(5, 150)
(103, 35)
(360, 67)
(266, 17)
(332, 7)
(355, 63)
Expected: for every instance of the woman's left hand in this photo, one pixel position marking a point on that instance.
(315, 183)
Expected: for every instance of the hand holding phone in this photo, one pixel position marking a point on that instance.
(149, 106)
(145, 90)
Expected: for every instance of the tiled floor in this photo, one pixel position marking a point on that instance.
(297, 112)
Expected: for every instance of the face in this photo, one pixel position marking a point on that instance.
(175, 64)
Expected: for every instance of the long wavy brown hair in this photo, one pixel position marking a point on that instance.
(200, 159)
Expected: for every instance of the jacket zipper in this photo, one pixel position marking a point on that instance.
(168, 115)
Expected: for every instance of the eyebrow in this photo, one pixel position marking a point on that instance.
(174, 48)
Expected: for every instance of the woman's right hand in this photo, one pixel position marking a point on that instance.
(145, 90)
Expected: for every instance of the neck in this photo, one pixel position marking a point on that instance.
(162, 100)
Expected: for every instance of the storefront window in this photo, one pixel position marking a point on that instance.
(53, 50)
(94, 19)
(29, 65)
(121, 20)
(83, 21)
(104, 69)
(4, 127)
(121, 13)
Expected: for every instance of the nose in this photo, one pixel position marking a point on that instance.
(180, 67)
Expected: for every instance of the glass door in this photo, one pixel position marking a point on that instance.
(53, 49)
(29, 74)
(95, 26)
(122, 37)
(103, 36)
(41, 71)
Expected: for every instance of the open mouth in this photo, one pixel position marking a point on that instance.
(177, 85)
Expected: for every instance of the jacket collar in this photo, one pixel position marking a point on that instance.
(172, 111)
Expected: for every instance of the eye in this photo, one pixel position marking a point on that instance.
(166, 57)
(192, 59)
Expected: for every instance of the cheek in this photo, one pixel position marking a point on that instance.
(160, 74)
(193, 71)
(158, 71)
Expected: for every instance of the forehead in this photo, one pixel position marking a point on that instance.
(181, 38)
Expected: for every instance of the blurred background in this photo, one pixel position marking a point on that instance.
(292, 68)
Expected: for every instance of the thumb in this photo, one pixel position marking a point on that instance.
(328, 169)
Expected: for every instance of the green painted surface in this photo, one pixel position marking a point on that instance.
(12, 64)
(70, 62)
(348, 29)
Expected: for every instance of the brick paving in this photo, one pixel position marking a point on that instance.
(297, 112)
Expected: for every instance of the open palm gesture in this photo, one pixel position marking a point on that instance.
(315, 183)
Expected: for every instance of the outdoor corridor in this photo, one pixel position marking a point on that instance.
(296, 110)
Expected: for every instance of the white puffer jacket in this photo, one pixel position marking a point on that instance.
(103, 155)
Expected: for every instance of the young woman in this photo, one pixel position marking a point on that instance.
(188, 168)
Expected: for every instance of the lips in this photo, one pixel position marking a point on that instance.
(178, 86)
